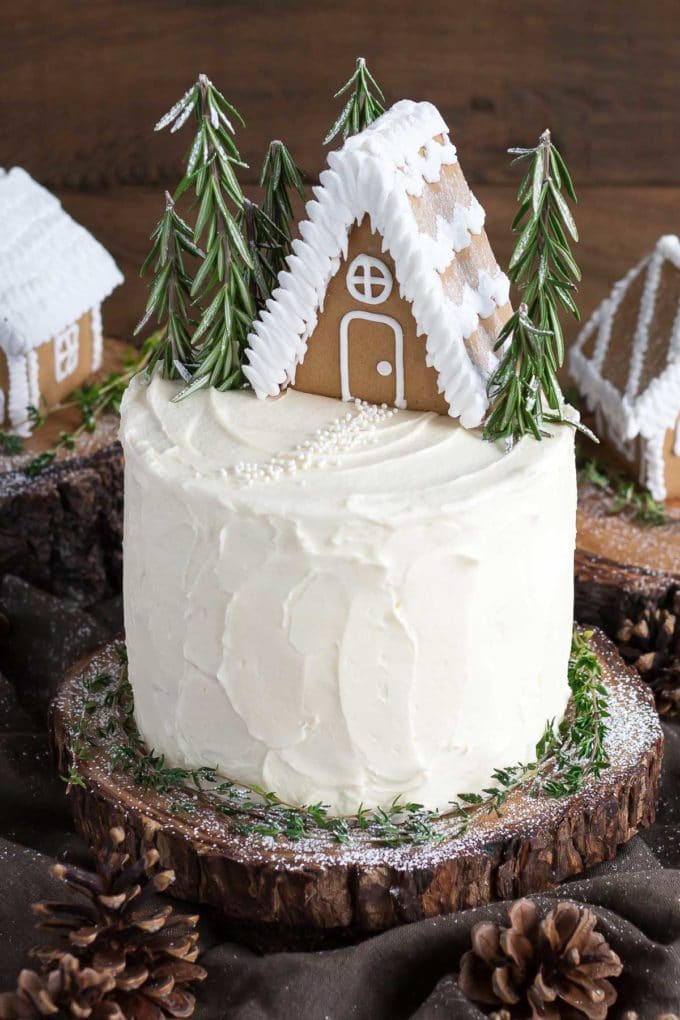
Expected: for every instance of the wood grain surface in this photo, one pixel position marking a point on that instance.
(617, 225)
(316, 892)
(82, 84)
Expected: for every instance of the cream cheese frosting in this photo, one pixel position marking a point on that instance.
(339, 603)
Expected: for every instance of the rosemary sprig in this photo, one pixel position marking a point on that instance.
(170, 294)
(268, 229)
(280, 178)
(626, 496)
(524, 390)
(362, 107)
(565, 757)
(268, 248)
(220, 286)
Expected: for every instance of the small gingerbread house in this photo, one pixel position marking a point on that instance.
(53, 279)
(392, 293)
(626, 363)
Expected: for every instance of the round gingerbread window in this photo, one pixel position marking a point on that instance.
(369, 280)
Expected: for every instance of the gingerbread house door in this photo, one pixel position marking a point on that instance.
(372, 358)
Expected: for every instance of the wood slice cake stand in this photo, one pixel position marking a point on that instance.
(274, 893)
(628, 583)
(61, 530)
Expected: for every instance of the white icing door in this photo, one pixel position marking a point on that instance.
(367, 364)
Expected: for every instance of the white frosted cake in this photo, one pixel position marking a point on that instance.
(335, 589)
(393, 618)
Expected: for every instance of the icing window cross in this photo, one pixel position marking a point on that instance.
(66, 353)
(369, 280)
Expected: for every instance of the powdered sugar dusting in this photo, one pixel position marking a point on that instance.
(632, 742)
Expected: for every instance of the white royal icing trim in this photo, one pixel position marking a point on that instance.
(361, 313)
(52, 270)
(653, 470)
(19, 396)
(651, 413)
(66, 352)
(360, 280)
(97, 337)
(33, 377)
(376, 173)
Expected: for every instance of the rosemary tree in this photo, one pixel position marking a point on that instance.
(523, 389)
(268, 248)
(220, 286)
(362, 107)
(280, 177)
(170, 294)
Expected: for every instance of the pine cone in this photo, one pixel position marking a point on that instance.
(67, 989)
(115, 929)
(554, 969)
(650, 641)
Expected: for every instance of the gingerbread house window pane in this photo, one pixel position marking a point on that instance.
(369, 280)
(66, 353)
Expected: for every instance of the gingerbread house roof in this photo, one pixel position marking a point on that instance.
(378, 173)
(626, 360)
(52, 270)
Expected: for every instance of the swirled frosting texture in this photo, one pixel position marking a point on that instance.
(395, 619)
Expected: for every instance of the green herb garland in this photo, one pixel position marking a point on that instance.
(566, 756)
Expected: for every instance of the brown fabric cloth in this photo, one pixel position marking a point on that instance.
(408, 972)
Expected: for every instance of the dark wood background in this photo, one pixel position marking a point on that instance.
(82, 84)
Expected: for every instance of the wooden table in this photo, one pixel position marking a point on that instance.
(83, 84)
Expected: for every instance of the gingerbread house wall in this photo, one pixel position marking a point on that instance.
(630, 456)
(672, 463)
(53, 389)
(370, 343)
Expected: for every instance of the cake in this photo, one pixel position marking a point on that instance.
(335, 588)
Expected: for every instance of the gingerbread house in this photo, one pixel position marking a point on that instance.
(626, 363)
(53, 279)
(392, 293)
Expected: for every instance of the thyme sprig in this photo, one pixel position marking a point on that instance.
(523, 389)
(362, 107)
(625, 495)
(566, 756)
(10, 444)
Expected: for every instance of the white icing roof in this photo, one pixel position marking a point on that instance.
(636, 410)
(52, 270)
(376, 172)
